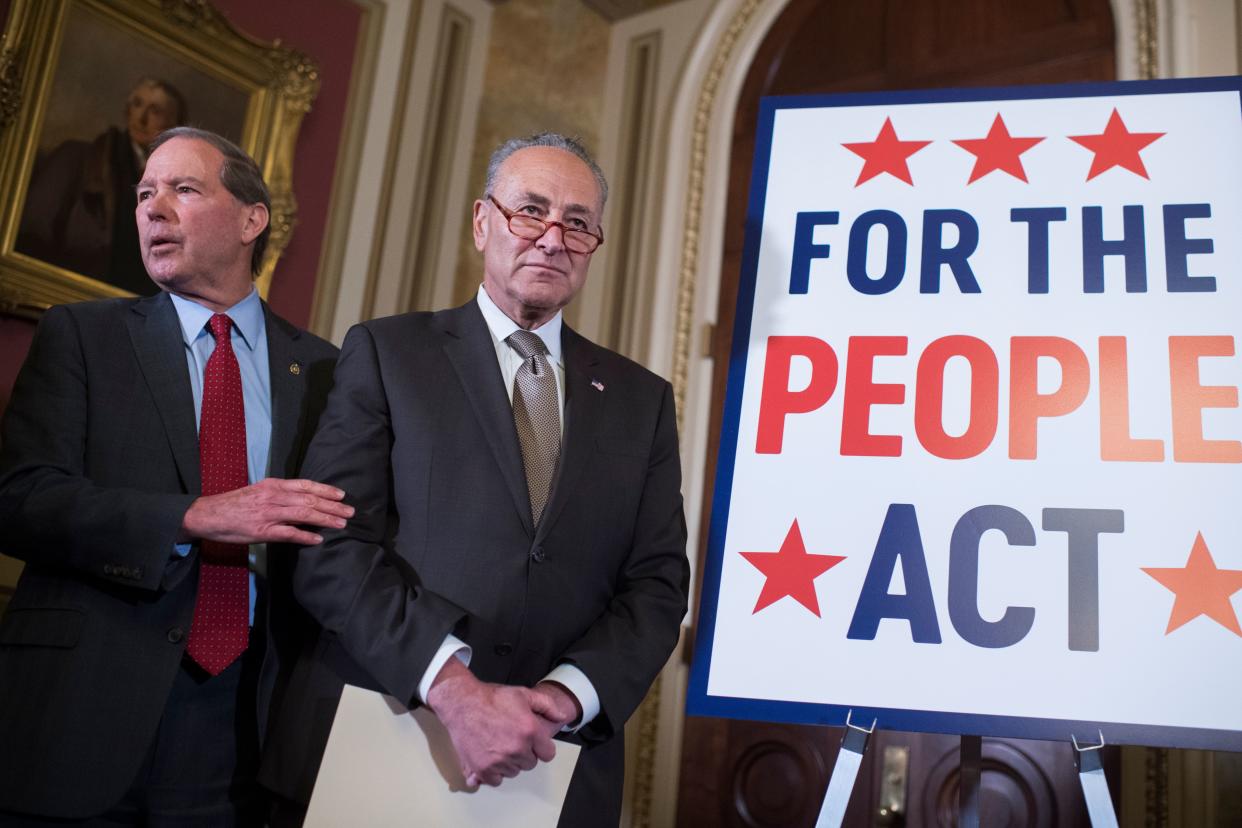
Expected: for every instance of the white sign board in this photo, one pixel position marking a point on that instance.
(981, 463)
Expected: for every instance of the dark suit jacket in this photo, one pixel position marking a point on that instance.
(98, 465)
(419, 433)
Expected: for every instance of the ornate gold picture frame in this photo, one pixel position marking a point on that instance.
(82, 83)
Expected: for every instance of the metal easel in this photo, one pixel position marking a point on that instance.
(854, 747)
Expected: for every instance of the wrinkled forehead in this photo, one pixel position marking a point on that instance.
(184, 157)
(548, 173)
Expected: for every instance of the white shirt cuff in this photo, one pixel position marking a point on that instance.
(452, 646)
(576, 682)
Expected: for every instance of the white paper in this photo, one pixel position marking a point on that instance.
(388, 766)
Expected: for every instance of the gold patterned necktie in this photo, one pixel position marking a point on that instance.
(536, 415)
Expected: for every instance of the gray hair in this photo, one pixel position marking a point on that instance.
(544, 139)
(239, 174)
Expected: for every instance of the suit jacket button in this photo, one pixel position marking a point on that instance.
(537, 555)
(504, 649)
(109, 569)
(175, 635)
(137, 573)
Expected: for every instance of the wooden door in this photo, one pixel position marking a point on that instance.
(737, 773)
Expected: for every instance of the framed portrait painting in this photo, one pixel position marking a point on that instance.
(85, 85)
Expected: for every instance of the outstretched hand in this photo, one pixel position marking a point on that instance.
(270, 511)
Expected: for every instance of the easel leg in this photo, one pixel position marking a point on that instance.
(1094, 784)
(844, 772)
(969, 771)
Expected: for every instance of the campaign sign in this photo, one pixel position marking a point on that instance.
(981, 464)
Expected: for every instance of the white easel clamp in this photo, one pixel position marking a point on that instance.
(1094, 784)
(844, 772)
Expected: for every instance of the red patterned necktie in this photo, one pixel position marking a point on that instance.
(220, 631)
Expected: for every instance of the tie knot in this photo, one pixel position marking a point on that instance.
(220, 324)
(526, 343)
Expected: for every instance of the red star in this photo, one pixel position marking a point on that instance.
(1201, 589)
(998, 151)
(1116, 146)
(885, 154)
(791, 571)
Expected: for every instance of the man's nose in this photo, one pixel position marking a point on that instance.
(550, 243)
(154, 207)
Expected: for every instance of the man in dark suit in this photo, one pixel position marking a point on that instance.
(517, 559)
(132, 479)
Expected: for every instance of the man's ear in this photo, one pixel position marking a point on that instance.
(257, 218)
(479, 223)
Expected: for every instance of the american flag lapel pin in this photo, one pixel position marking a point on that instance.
(597, 385)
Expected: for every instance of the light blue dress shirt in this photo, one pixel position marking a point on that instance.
(249, 339)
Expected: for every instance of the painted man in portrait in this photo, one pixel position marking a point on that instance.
(80, 203)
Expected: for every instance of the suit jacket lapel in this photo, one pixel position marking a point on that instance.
(584, 404)
(468, 345)
(287, 391)
(155, 333)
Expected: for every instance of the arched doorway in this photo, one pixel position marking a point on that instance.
(750, 774)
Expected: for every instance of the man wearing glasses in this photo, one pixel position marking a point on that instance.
(517, 558)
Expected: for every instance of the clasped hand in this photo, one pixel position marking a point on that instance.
(497, 730)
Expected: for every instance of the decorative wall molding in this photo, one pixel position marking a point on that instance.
(689, 242)
(10, 85)
(614, 10)
(442, 138)
(697, 124)
(618, 306)
(363, 89)
(1145, 39)
(398, 155)
(631, 184)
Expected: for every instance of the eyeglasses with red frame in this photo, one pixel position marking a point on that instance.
(531, 228)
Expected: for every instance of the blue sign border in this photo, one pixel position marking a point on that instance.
(698, 701)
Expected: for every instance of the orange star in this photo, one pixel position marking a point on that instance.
(1116, 146)
(1201, 589)
(998, 151)
(885, 154)
(791, 571)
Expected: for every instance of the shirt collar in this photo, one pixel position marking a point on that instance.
(501, 326)
(247, 316)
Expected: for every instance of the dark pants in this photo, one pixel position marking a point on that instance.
(200, 769)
